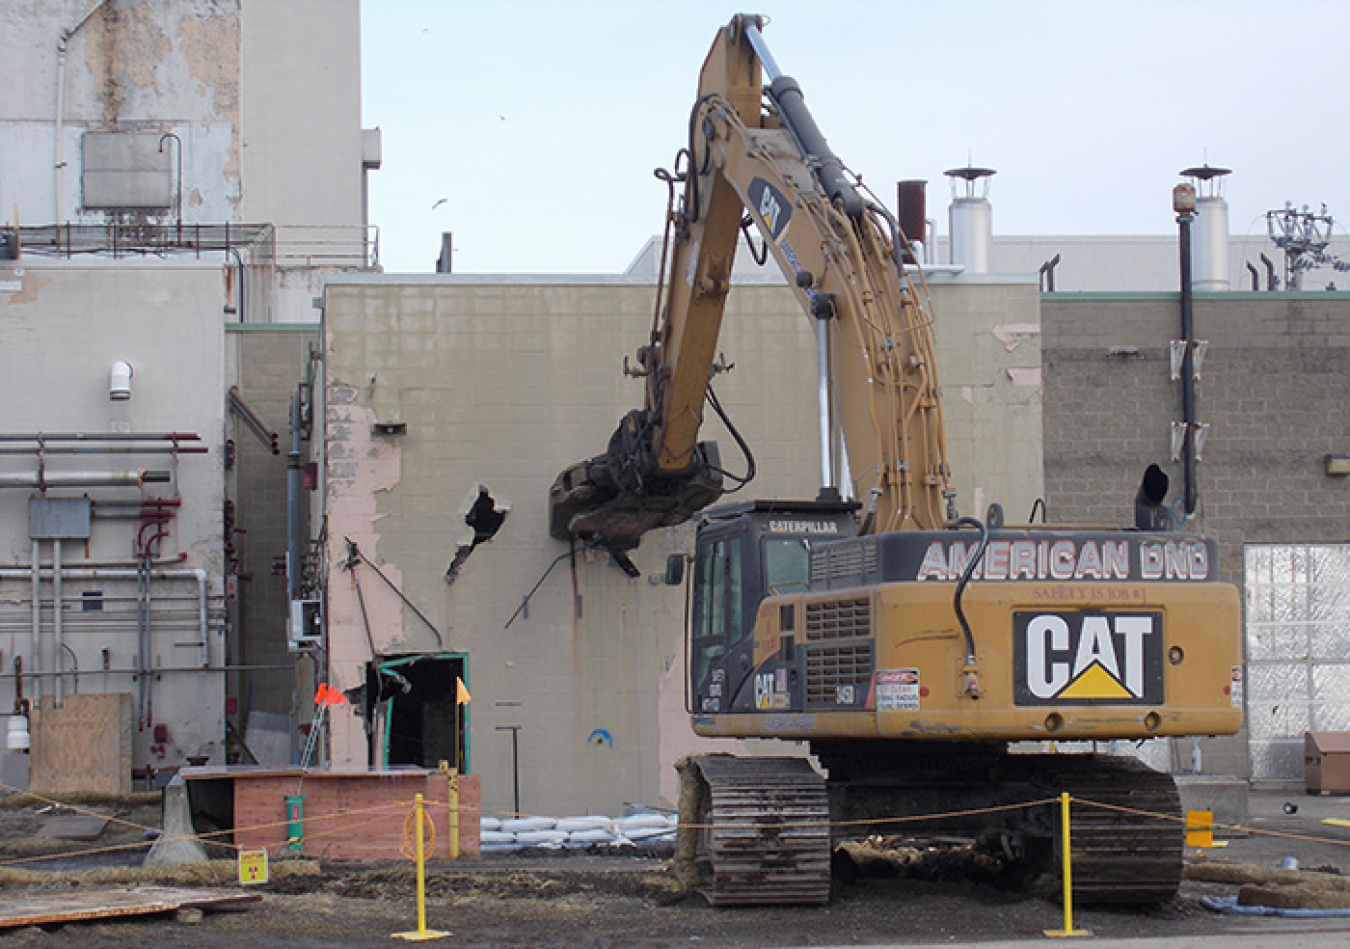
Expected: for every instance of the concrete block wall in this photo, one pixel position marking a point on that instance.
(1272, 391)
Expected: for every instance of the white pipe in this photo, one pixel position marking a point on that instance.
(81, 479)
(86, 573)
(59, 160)
(201, 616)
(36, 644)
(57, 642)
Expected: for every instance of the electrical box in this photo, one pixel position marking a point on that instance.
(304, 628)
(1326, 761)
(59, 518)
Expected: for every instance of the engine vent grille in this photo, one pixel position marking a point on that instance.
(848, 563)
(839, 619)
(837, 674)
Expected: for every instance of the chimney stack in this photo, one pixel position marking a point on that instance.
(971, 219)
(1209, 235)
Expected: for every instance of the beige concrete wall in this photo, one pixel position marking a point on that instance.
(505, 383)
(988, 338)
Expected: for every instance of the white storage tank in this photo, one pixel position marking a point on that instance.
(1209, 233)
(971, 218)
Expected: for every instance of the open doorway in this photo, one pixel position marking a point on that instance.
(420, 711)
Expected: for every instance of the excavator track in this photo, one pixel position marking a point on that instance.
(1121, 852)
(754, 831)
(757, 830)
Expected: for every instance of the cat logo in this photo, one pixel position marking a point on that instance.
(1088, 658)
(772, 206)
(764, 690)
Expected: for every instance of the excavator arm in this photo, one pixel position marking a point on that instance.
(756, 156)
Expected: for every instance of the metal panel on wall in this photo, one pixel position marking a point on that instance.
(1298, 651)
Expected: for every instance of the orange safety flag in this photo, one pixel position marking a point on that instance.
(461, 693)
(328, 696)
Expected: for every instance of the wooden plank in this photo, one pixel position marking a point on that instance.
(39, 909)
(85, 745)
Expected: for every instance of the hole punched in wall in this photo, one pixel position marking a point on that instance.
(484, 517)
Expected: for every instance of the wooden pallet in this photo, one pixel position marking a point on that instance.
(40, 909)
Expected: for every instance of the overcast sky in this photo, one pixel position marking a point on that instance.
(530, 128)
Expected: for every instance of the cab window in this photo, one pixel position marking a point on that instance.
(787, 565)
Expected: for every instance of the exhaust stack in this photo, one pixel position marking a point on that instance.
(1209, 236)
(971, 218)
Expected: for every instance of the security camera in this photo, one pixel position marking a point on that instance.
(119, 382)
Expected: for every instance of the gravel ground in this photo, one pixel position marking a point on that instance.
(592, 900)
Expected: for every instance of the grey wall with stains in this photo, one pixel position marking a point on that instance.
(63, 326)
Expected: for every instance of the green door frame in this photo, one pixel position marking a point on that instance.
(461, 717)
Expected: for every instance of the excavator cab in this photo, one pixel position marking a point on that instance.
(746, 552)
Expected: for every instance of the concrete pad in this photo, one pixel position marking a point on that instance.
(74, 827)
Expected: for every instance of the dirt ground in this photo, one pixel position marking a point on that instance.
(594, 900)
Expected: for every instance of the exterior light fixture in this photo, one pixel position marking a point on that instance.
(1338, 465)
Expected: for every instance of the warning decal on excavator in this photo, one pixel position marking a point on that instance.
(1088, 658)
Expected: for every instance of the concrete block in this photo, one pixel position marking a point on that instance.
(177, 844)
(1224, 796)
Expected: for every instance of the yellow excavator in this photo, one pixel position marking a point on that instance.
(909, 647)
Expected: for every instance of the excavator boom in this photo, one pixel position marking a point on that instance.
(755, 154)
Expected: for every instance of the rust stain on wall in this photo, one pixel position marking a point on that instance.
(32, 285)
(124, 52)
(210, 46)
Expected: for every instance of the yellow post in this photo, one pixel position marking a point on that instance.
(454, 814)
(1068, 929)
(422, 934)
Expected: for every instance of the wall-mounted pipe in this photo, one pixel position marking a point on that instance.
(34, 572)
(162, 670)
(294, 522)
(1184, 205)
(58, 643)
(43, 479)
(35, 644)
(59, 162)
(45, 440)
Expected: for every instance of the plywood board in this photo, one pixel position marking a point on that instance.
(85, 745)
(38, 909)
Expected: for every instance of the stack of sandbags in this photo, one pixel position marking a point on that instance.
(508, 835)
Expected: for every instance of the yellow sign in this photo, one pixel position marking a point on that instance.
(1199, 828)
(253, 866)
